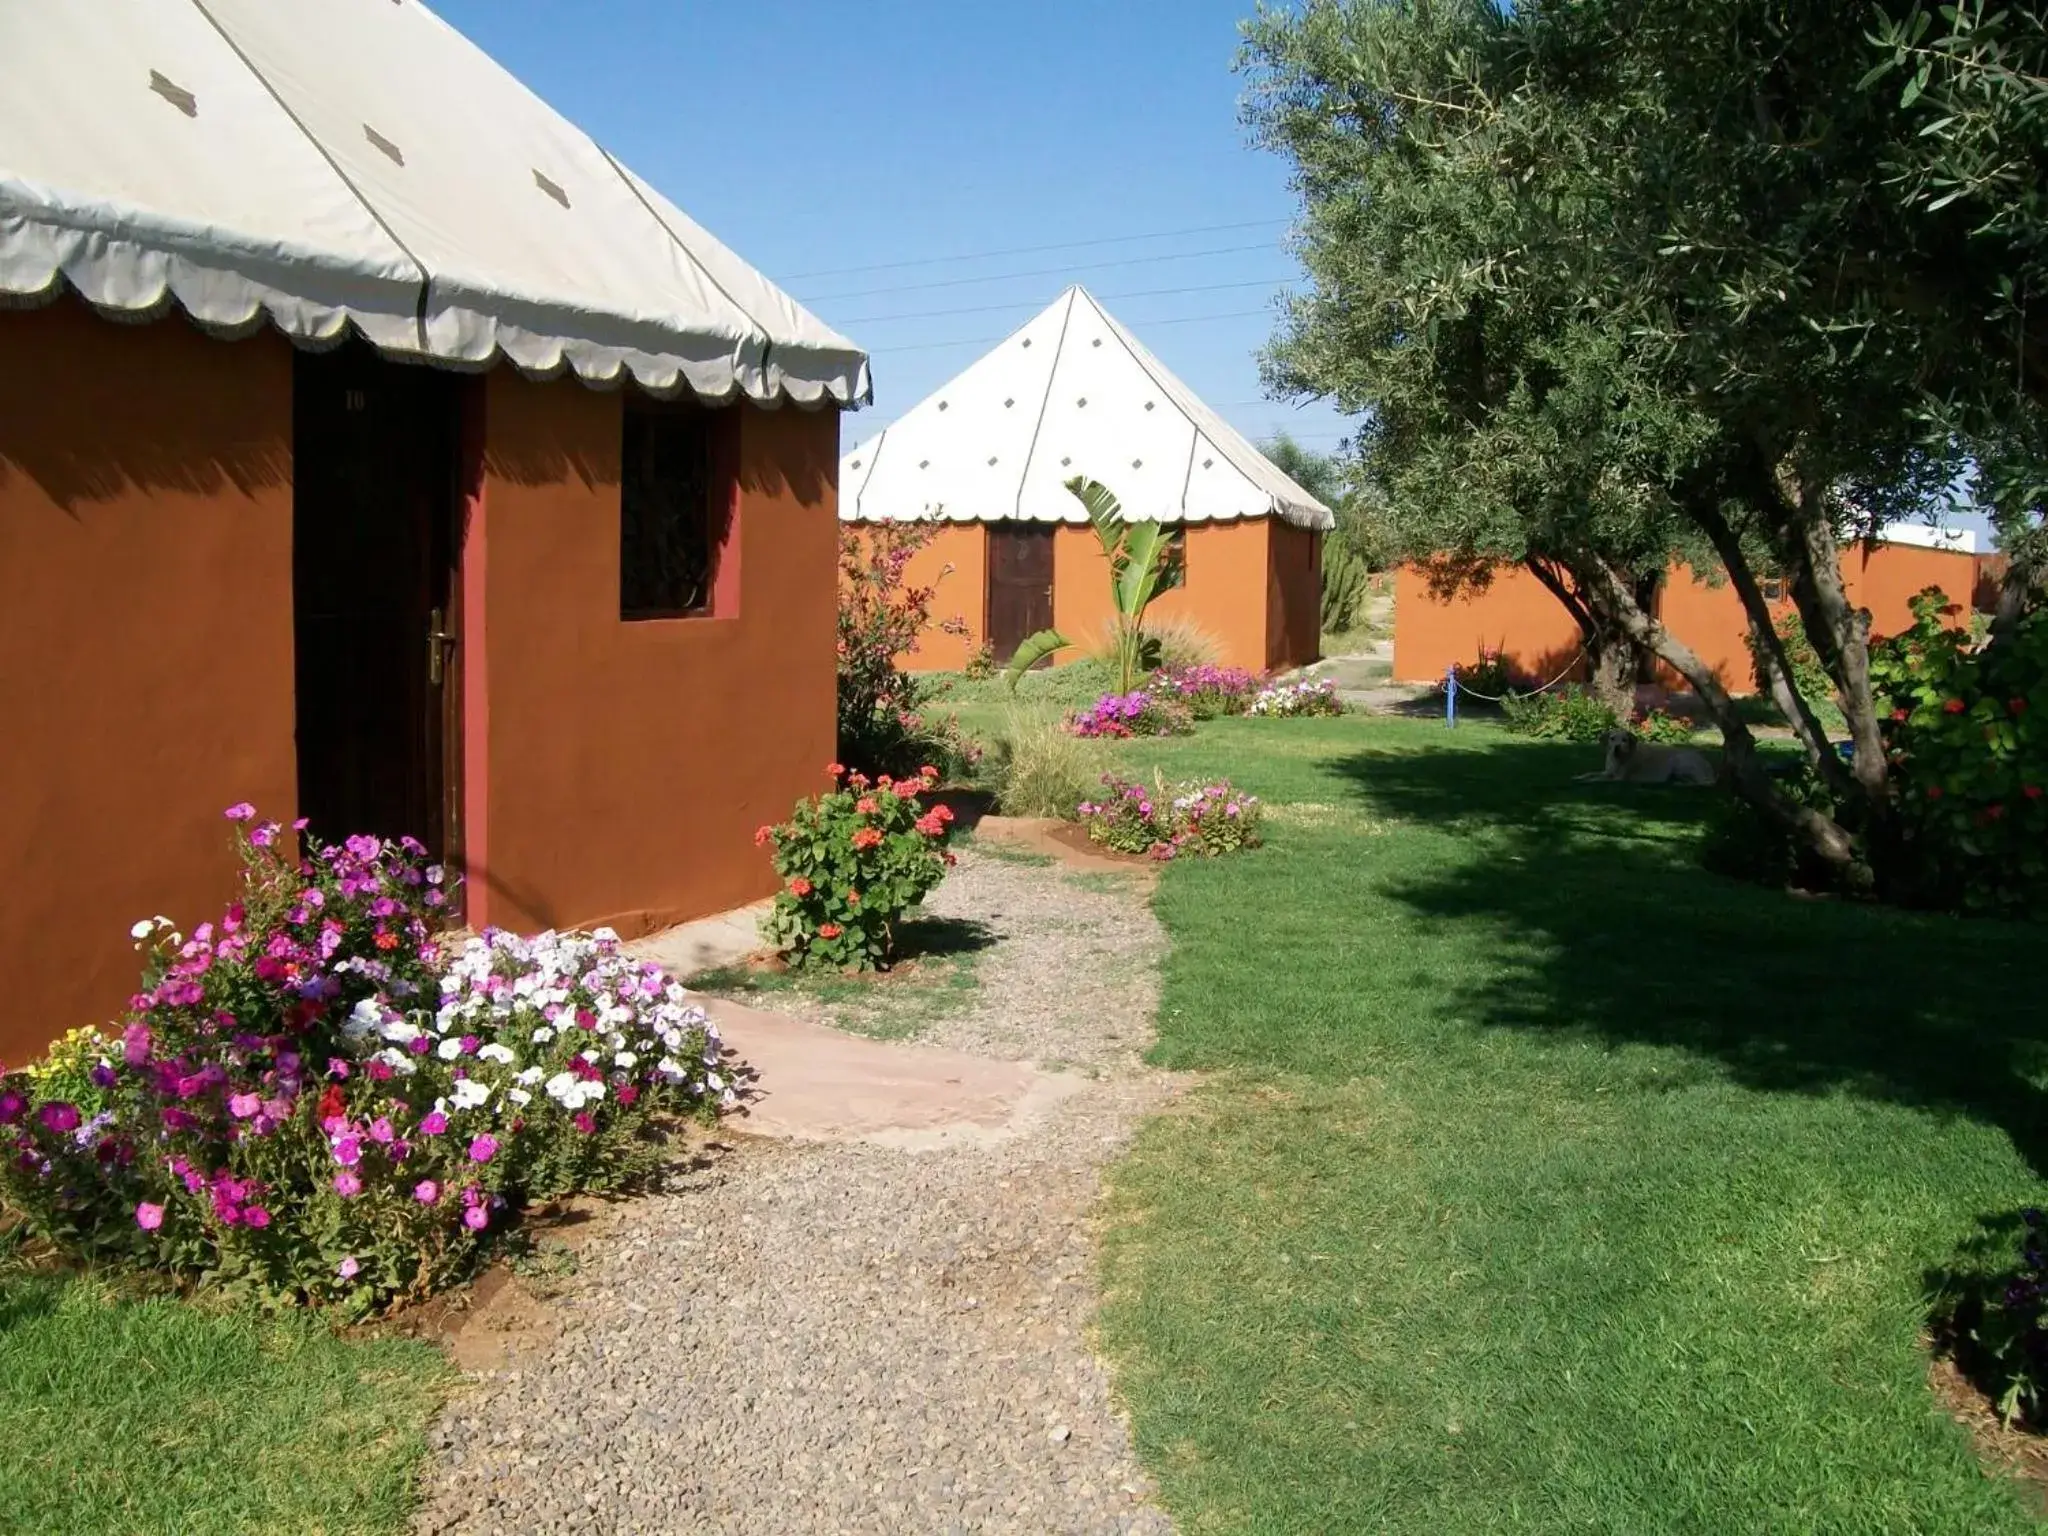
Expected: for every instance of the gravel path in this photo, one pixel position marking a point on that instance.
(816, 1338)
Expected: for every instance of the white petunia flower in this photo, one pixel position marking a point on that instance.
(448, 1050)
(470, 1094)
(519, 1096)
(496, 1052)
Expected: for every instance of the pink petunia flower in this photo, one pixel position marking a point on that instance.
(348, 1268)
(426, 1192)
(476, 1218)
(348, 1151)
(243, 811)
(483, 1148)
(256, 1216)
(149, 1217)
(245, 1106)
(434, 1124)
(347, 1185)
(380, 1131)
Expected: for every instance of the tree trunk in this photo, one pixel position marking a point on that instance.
(1615, 660)
(1612, 665)
(1830, 841)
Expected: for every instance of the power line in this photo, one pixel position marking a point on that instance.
(1004, 277)
(989, 341)
(1033, 250)
(983, 309)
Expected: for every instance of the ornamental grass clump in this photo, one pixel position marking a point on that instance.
(853, 861)
(1208, 691)
(1167, 821)
(1118, 716)
(311, 1102)
(1309, 697)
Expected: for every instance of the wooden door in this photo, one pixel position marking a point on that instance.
(1019, 584)
(374, 495)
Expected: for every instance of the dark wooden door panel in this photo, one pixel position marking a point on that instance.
(1019, 585)
(373, 492)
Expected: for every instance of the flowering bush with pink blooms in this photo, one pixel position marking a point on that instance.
(1307, 697)
(1205, 820)
(1142, 713)
(852, 862)
(1208, 691)
(310, 1101)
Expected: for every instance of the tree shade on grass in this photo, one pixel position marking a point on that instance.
(1547, 1182)
(160, 1417)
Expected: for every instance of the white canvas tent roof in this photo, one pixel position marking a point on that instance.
(1071, 393)
(322, 162)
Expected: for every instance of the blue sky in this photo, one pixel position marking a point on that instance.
(815, 137)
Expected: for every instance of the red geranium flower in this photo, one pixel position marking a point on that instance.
(866, 805)
(799, 886)
(2031, 791)
(1954, 706)
(762, 834)
(2017, 706)
(867, 837)
(829, 930)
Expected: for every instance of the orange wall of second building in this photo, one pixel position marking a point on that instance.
(1226, 594)
(628, 764)
(145, 641)
(1517, 615)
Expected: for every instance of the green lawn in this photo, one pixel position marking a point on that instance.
(156, 1416)
(1546, 1182)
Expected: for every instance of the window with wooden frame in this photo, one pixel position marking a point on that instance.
(670, 522)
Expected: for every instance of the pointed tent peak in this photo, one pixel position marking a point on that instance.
(1069, 393)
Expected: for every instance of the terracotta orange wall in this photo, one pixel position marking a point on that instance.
(1519, 617)
(1514, 615)
(1887, 579)
(1225, 593)
(145, 641)
(627, 765)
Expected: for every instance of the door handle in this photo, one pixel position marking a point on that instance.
(438, 641)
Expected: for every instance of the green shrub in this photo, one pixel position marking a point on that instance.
(1346, 588)
(882, 619)
(1992, 1315)
(1968, 751)
(854, 860)
(1666, 729)
(1569, 713)
(1809, 677)
(1042, 768)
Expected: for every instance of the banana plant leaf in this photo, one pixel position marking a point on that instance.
(1031, 651)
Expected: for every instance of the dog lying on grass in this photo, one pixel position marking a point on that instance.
(1632, 761)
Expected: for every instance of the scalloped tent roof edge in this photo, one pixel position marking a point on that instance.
(328, 165)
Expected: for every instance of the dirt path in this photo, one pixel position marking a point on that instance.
(875, 1334)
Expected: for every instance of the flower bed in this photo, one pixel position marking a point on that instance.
(1208, 691)
(1318, 697)
(1201, 819)
(311, 1101)
(852, 862)
(1143, 713)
